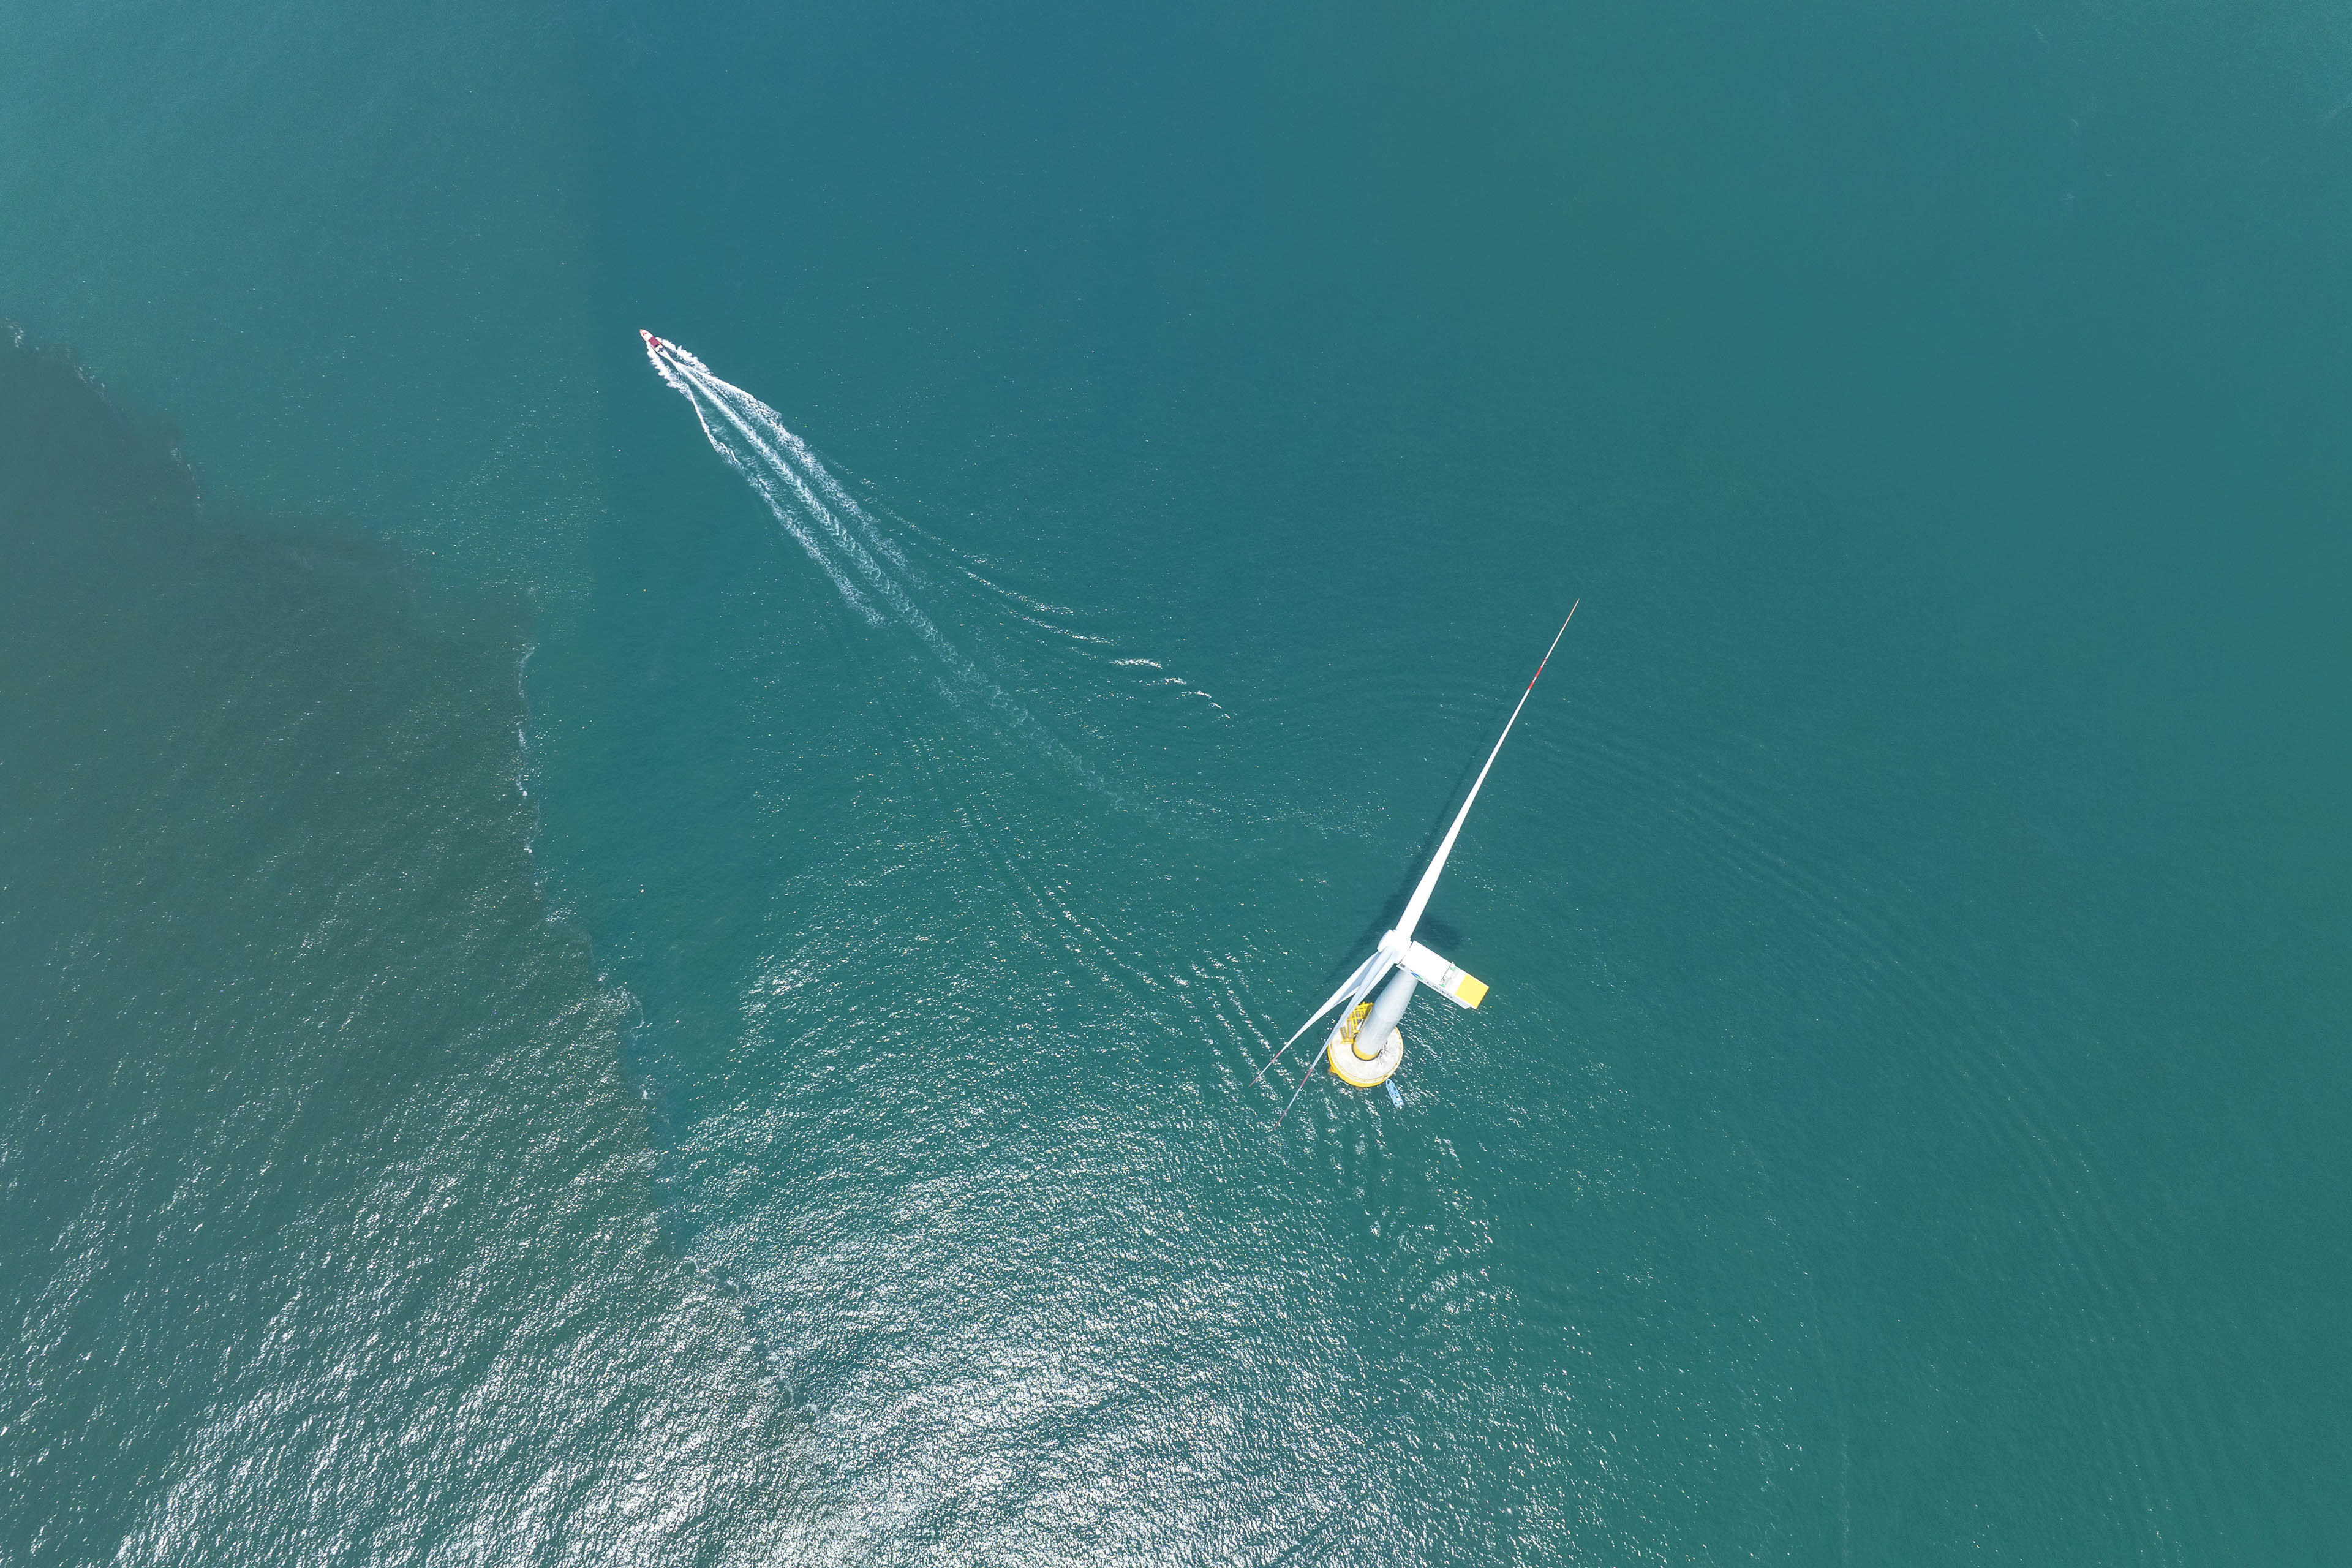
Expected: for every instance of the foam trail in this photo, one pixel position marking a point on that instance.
(788, 477)
(759, 483)
(791, 447)
(866, 563)
(775, 466)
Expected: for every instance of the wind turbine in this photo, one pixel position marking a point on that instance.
(1366, 1046)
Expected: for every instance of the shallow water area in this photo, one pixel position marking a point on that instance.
(322, 1182)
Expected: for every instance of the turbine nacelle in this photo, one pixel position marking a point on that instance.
(1443, 976)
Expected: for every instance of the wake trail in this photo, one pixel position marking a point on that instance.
(775, 464)
(789, 445)
(790, 453)
(760, 483)
(796, 487)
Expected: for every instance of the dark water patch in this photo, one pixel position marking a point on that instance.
(324, 1208)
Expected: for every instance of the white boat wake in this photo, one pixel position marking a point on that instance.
(749, 434)
(869, 568)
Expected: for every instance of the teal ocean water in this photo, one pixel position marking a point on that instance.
(561, 1008)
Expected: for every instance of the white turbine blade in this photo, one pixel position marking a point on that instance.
(1303, 1075)
(1429, 878)
(1368, 974)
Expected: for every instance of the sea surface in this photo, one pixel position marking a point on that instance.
(562, 1000)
